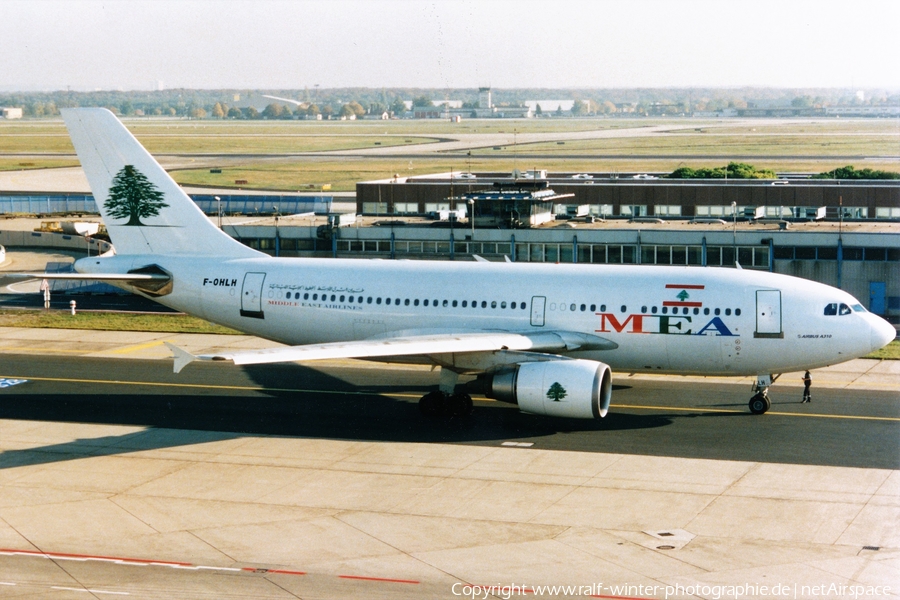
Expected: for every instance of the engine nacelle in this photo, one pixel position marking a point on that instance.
(579, 389)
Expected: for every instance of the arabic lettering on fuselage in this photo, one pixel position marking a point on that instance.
(316, 288)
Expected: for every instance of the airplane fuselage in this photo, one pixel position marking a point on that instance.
(682, 320)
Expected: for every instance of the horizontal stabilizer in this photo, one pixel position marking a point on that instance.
(182, 357)
(89, 276)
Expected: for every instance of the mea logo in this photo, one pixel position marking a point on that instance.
(557, 392)
(133, 196)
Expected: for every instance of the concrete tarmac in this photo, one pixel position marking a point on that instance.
(118, 477)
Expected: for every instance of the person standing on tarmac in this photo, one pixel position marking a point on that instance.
(807, 381)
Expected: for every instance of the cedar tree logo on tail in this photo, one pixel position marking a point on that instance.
(133, 196)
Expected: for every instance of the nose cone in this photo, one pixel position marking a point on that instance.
(883, 333)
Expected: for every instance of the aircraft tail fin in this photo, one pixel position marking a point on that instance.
(145, 211)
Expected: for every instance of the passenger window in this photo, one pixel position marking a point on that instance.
(643, 309)
(465, 303)
(653, 310)
(727, 312)
(843, 309)
(406, 302)
(503, 304)
(665, 310)
(705, 311)
(446, 303)
(737, 312)
(572, 307)
(593, 308)
(697, 311)
(831, 309)
(455, 303)
(306, 296)
(717, 312)
(425, 302)
(624, 308)
(484, 304)
(494, 304)
(378, 301)
(416, 302)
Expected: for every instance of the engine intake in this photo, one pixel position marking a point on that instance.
(580, 389)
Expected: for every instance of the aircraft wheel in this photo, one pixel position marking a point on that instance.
(760, 404)
(432, 404)
(459, 405)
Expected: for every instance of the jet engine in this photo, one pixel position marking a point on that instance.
(579, 389)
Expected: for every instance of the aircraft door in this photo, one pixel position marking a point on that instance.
(251, 295)
(768, 314)
(877, 294)
(538, 304)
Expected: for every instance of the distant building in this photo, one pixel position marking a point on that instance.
(550, 106)
(11, 113)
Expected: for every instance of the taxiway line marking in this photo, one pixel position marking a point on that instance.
(188, 385)
(777, 413)
(137, 347)
(403, 395)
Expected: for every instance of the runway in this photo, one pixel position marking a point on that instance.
(119, 478)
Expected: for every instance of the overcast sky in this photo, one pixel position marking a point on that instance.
(292, 44)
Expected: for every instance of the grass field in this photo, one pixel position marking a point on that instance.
(249, 150)
(20, 164)
(174, 323)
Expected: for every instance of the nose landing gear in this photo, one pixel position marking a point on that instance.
(760, 402)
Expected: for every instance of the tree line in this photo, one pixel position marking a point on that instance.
(361, 101)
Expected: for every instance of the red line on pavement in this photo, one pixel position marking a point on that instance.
(286, 572)
(362, 578)
(96, 557)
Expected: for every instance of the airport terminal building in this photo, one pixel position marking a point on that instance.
(844, 234)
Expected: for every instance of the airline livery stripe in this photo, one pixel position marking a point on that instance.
(688, 304)
(687, 286)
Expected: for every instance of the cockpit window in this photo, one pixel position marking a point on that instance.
(843, 309)
(831, 309)
(858, 308)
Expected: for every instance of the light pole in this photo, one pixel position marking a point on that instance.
(472, 216)
(219, 210)
(277, 241)
(734, 228)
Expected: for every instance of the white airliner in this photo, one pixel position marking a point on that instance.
(544, 336)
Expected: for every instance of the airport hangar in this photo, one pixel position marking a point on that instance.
(841, 233)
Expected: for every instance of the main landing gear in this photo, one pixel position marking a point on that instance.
(446, 401)
(438, 403)
(760, 402)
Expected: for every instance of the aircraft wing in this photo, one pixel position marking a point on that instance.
(87, 277)
(409, 345)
